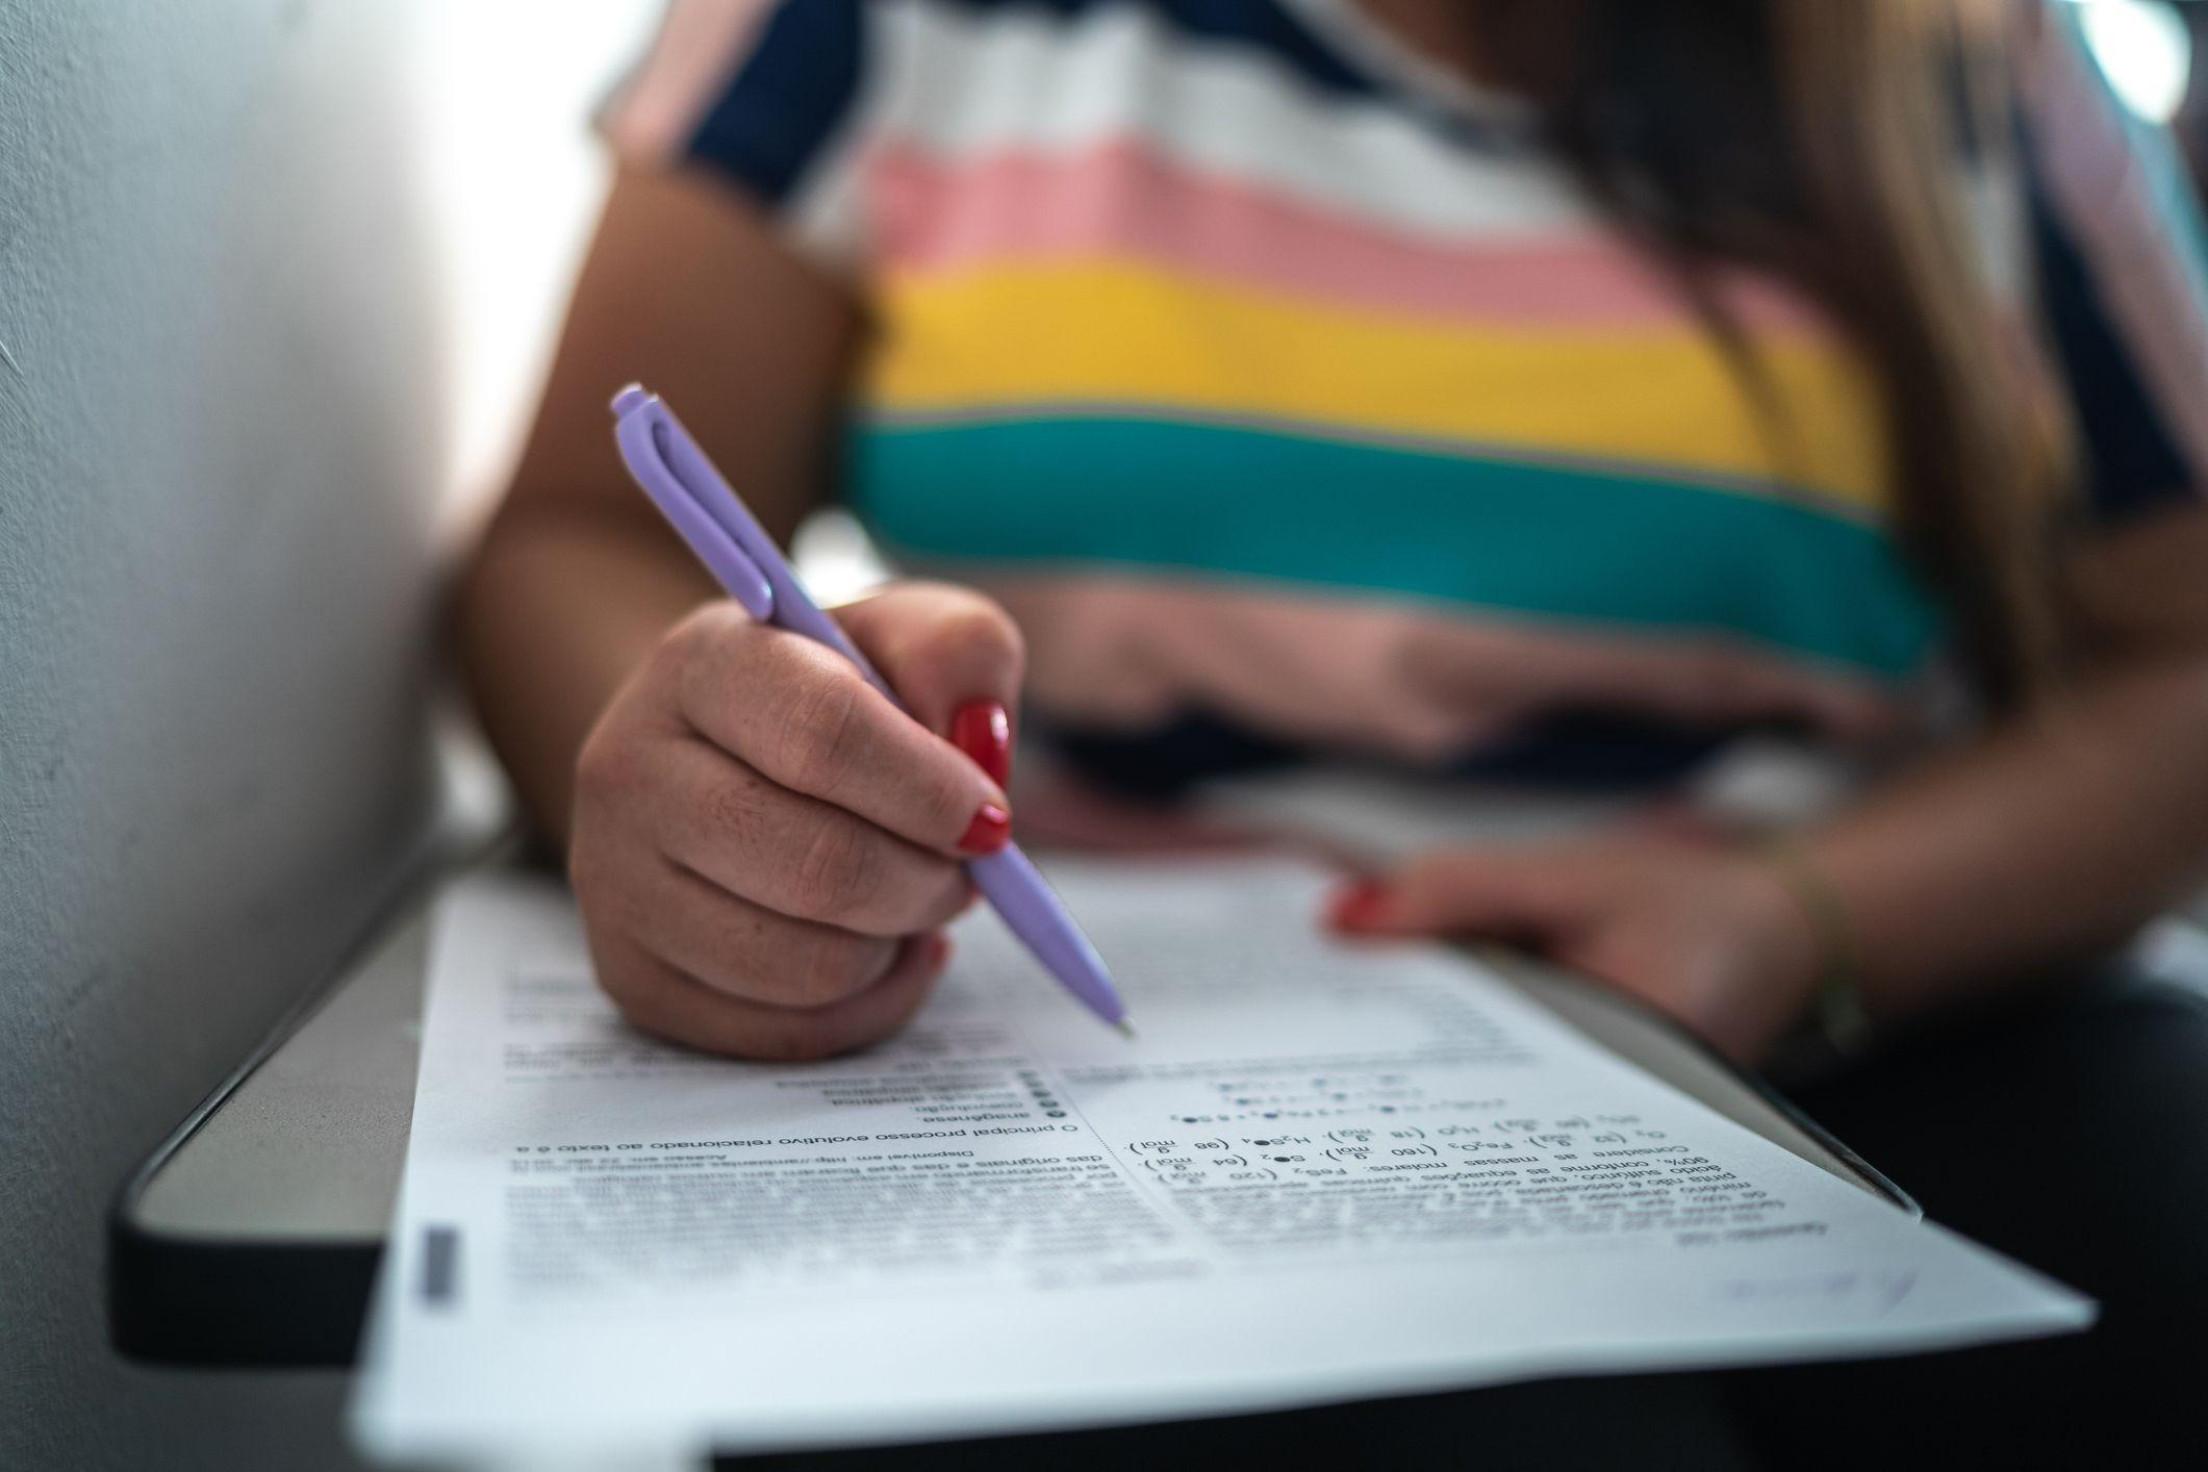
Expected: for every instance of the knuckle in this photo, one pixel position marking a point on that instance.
(946, 796)
(840, 872)
(605, 871)
(835, 969)
(622, 983)
(607, 765)
(696, 657)
(704, 628)
(683, 649)
(733, 810)
(587, 872)
(821, 731)
(978, 625)
(947, 894)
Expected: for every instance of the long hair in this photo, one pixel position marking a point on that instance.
(1826, 142)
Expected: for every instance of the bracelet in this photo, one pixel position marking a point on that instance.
(1839, 1007)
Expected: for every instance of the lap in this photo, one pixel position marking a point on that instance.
(1647, 1423)
(2071, 1135)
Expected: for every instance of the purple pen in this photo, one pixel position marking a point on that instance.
(713, 520)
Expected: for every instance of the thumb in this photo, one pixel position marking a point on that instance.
(954, 658)
(1489, 893)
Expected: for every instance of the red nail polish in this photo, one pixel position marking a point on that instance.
(1362, 906)
(990, 831)
(983, 730)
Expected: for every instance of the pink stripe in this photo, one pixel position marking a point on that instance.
(1121, 199)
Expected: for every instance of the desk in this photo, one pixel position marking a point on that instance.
(252, 1235)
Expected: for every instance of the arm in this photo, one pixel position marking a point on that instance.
(763, 849)
(2063, 831)
(2049, 837)
(577, 579)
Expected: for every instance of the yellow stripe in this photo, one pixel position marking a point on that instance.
(1116, 334)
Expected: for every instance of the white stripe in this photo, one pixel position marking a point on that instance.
(973, 83)
(825, 217)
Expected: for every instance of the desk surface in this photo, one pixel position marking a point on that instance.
(306, 1147)
(253, 1236)
(309, 1146)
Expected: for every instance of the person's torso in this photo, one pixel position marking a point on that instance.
(1272, 381)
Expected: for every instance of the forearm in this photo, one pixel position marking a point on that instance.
(2052, 837)
(578, 579)
(557, 610)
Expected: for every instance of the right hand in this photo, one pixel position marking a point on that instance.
(764, 849)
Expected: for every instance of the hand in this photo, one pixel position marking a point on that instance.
(1701, 930)
(764, 849)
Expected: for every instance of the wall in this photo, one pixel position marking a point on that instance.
(273, 278)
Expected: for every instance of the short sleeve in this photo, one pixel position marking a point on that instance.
(2123, 280)
(769, 94)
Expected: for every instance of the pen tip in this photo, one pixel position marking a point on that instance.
(1126, 1029)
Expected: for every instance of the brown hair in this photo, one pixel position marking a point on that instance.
(1825, 141)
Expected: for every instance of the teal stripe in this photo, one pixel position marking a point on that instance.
(1531, 539)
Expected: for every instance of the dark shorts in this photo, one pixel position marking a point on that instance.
(2070, 1133)
(2073, 1136)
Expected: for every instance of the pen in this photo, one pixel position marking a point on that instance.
(713, 520)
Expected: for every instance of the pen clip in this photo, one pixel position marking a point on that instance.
(644, 431)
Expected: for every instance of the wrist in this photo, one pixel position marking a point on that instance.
(1823, 959)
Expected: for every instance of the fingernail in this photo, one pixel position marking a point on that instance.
(1361, 906)
(983, 730)
(990, 831)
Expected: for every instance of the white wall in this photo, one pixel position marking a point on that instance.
(273, 276)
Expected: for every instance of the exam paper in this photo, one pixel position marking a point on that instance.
(1322, 1171)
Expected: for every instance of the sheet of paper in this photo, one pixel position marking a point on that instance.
(1322, 1172)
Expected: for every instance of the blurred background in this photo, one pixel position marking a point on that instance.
(276, 277)
(277, 280)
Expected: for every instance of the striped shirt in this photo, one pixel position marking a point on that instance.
(1291, 393)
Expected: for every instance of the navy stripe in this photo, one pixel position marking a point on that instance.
(1260, 23)
(1577, 750)
(799, 84)
(2132, 461)
(788, 98)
